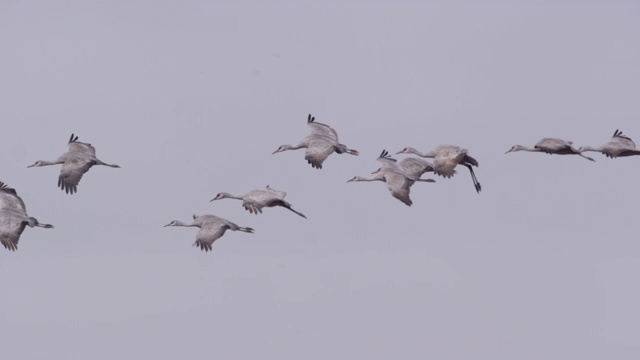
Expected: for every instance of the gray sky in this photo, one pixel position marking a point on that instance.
(191, 98)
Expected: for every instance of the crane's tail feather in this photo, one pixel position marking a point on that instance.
(246, 229)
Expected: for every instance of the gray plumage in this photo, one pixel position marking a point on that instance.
(619, 146)
(211, 228)
(259, 198)
(75, 162)
(14, 218)
(398, 179)
(446, 158)
(322, 142)
(415, 167)
(551, 146)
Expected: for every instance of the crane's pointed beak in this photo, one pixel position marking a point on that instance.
(400, 152)
(30, 166)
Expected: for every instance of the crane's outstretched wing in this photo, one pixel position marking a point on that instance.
(72, 171)
(318, 151)
(415, 167)
(321, 129)
(209, 232)
(399, 185)
(623, 140)
(11, 227)
(9, 198)
(388, 162)
(445, 163)
(80, 147)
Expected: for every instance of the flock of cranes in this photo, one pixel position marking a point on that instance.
(322, 142)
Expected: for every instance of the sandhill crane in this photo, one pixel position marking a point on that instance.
(14, 218)
(398, 181)
(618, 146)
(322, 142)
(446, 158)
(211, 229)
(256, 199)
(75, 162)
(413, 167)
(551, 146)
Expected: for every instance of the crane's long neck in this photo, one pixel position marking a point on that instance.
(231, 196)
(428, 154)
(300, 145)
(180, 223)
(589, 148)
(54, 162)
(379, 176)
(526, 148)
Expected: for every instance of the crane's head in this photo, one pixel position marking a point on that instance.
(173, 223)
(281, 148)
(37, 164)
(220, 195)
(407, 150)
(515, 148)
(356, 178)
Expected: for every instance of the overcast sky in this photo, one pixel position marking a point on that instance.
(191, 98)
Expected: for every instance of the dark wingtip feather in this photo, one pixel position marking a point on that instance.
(310, 119)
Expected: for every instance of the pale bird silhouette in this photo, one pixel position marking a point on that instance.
(259, 198)
(414, 167)
(446, 158)
(398, 180)
(14, 218)
(619, 146)
(322, 142)
(551, 146)
(75, 162)
(211, 228)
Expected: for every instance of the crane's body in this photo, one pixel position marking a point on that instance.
(211, 228)
(446, 158)
(619, 146)
(322, 142)
(397, 178)
(14, 218)
(551, 146)
(75, 162)
(255, 200)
